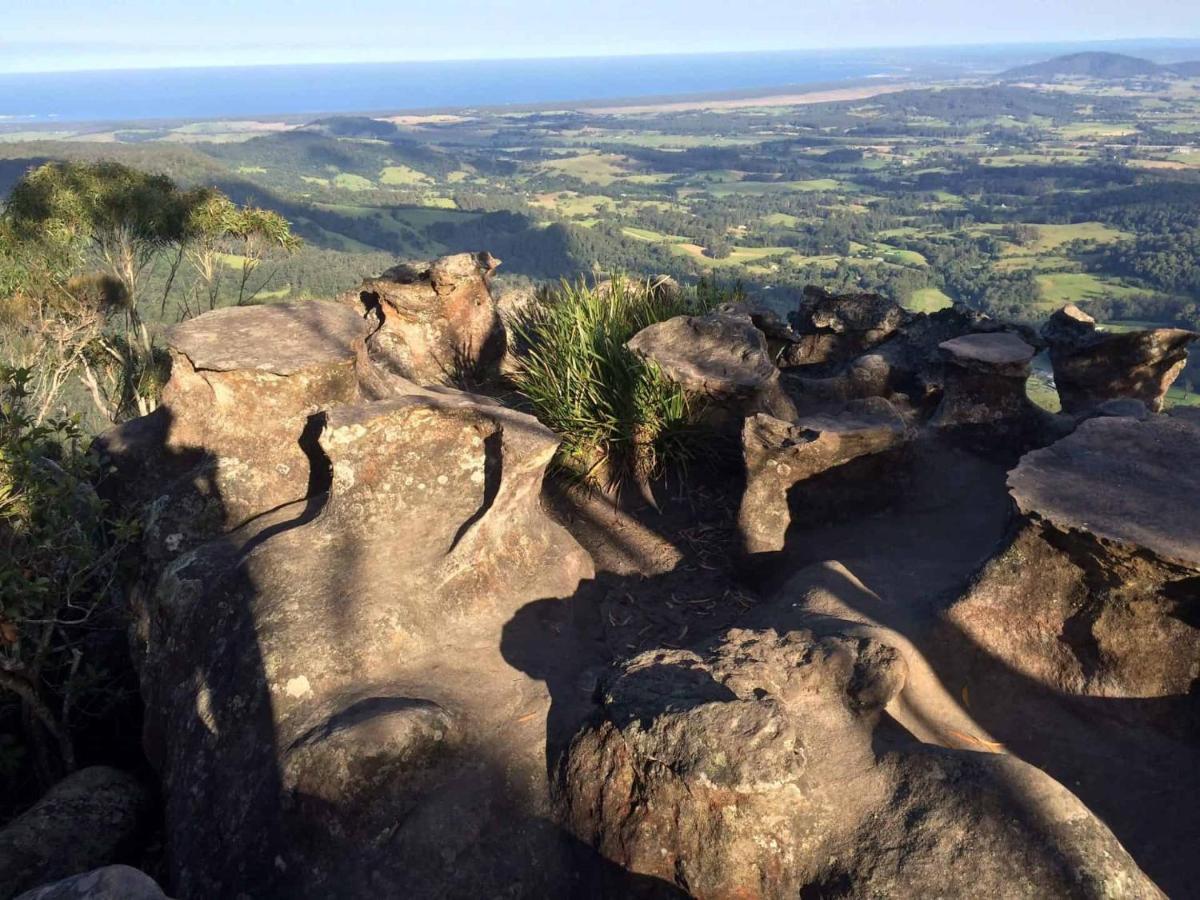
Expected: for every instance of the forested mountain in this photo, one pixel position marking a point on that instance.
(1099, 65)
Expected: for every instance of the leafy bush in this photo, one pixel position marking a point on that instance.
(59, 554)
(618, 416)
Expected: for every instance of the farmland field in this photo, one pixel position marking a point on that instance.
(1011, 199)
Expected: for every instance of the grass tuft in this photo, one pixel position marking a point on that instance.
(619, 417)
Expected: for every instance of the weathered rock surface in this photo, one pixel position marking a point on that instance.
(868, 375)
(778, 455)
(984, 391)
(1096, 593)
(760, 766)
(779, 334)
(86, 820)
(661, 287)
(1092, 366)
(721, 356)
(845, 325)
(324, 687)
(107, 883)
(436, 322)
(233, 436)
(906, 366)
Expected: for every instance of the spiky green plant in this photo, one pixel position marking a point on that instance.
(619, 417)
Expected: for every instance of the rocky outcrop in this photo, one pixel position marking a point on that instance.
(720, 356)
(984, 391)
(88, 819)
(905, 363)
(324, 687)
(108, 883)
(759, 766)
(838, 327)
(779, 455)
(779, 334)
(1092, 366)
(1094, 594)
(234, 436)
(436, 322)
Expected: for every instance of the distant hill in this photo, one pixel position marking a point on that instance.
(1187, 69)
(1091, 65)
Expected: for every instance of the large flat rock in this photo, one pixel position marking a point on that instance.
(282, 339)
(999, 351)
(1118, 479)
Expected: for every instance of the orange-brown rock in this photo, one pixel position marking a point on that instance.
(435, 322)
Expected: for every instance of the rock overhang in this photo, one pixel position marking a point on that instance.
(1121, 480)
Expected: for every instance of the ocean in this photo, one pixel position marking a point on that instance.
(208, 93)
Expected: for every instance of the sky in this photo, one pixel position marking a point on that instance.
(57, 35)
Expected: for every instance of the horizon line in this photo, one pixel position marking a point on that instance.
(597, 56)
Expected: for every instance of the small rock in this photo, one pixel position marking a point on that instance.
(86, 820)
(107, 883)
(871, 315)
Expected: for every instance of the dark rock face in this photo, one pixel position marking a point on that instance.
(756, 767)
(838, 327)
(1093, 594)
(779, 455)
(86, 820)
(1091, 366)
(721, 356)
(984, 391)
(906, 364)
(108, 883)
(779, 334)
(434, 323)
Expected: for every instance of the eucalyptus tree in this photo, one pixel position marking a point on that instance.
(66, 219)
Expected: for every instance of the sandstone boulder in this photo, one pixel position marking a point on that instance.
(232, 438)
(779, 334)
(1092, 366)
(88, 819)
(779, 455)
(107, 883)
(324, 687)
(869, 375)
(660, 287)
(1093, 594)
(721, 356)
(759, 766)
(841, 326)
(862, 319)
(435, 322)
(908, 366)
(984, 389)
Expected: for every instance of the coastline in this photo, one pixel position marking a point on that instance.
(265, 122)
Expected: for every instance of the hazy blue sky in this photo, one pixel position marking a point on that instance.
(76, 34)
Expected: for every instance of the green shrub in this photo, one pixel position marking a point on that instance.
(59, 552)
(618, 416)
